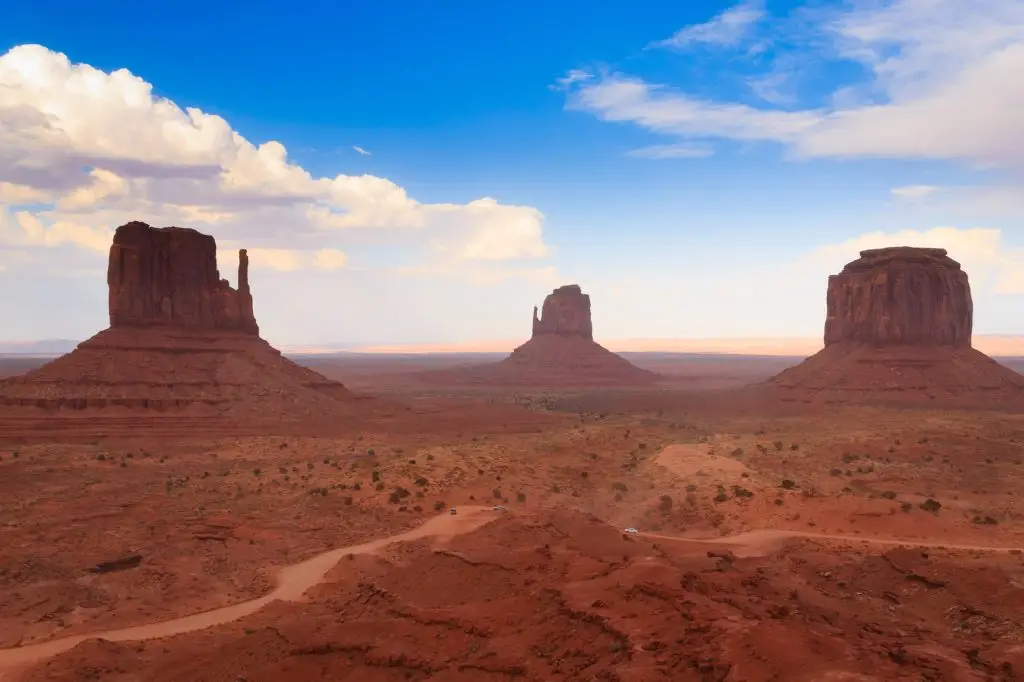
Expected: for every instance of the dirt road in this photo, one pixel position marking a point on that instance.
(292, 584)
(294, 581)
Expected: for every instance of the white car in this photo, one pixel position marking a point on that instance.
(452, 511)
(631, 531)
(498, 508)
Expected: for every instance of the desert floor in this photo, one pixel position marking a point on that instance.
(895, 552)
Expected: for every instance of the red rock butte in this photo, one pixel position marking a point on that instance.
(561, 352)
(898, 326)
(183, 350)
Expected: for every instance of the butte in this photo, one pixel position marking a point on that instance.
(898, 328)
(561, 352)
(182, 354)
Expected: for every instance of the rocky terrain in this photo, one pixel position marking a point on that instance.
(898, 328)
(561, 352)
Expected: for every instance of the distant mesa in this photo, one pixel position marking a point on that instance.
(561, 352)
(566, 312)
(182, 345)
(898, 325)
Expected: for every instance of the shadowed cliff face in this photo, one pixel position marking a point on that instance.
(566, 312)
(900, 296)
(168, 277)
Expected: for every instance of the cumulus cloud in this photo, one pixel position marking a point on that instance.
(994, 267)
(83, 150)
(942, 82)
(728, 28)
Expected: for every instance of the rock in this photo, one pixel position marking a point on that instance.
(182, 355)
(566, 312)
(898, 329)
(133, 561)
(168, 277)
(900, 295)
(561, 352)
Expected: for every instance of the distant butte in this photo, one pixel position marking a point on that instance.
(561, 352)
(898, 326)
(183, 349)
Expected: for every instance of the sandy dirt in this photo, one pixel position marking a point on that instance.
(766, 532)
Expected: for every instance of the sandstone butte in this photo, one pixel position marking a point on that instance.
(561, 352)
(183, 346)
(898, 326)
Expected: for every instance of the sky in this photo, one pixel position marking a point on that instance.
(425, 173)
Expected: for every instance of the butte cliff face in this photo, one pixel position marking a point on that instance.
(900, 295)
(561, 352)
(898, 327)
(566, 312)
(168, 277)
(182, 353)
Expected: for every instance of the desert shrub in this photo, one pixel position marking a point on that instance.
(931, 505)
(497, 493)
(421, 481)
(439, 505)
(905, 507)
(835, 472)
(788, 484)
(379, 486)
(722, 496)
(740, 491)
(889, 494)
(777, 445)
(375, 476)
(256, 471)
(665, 504)
(521, 496)
(619, 486)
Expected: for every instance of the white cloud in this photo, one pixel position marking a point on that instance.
(361, 151)
(943, 82)
(912, 192)
(671, 151)
(726, 29)
(572, 77)
(97, 149)
(992, 265)
(330, 259)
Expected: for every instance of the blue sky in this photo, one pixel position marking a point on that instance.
(699, 167)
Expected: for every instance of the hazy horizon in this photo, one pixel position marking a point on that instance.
(699, 168)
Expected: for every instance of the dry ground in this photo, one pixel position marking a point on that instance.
(553, 590)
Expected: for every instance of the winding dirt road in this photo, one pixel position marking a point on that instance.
(292, 584)
(763, 540)
(294, 581)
